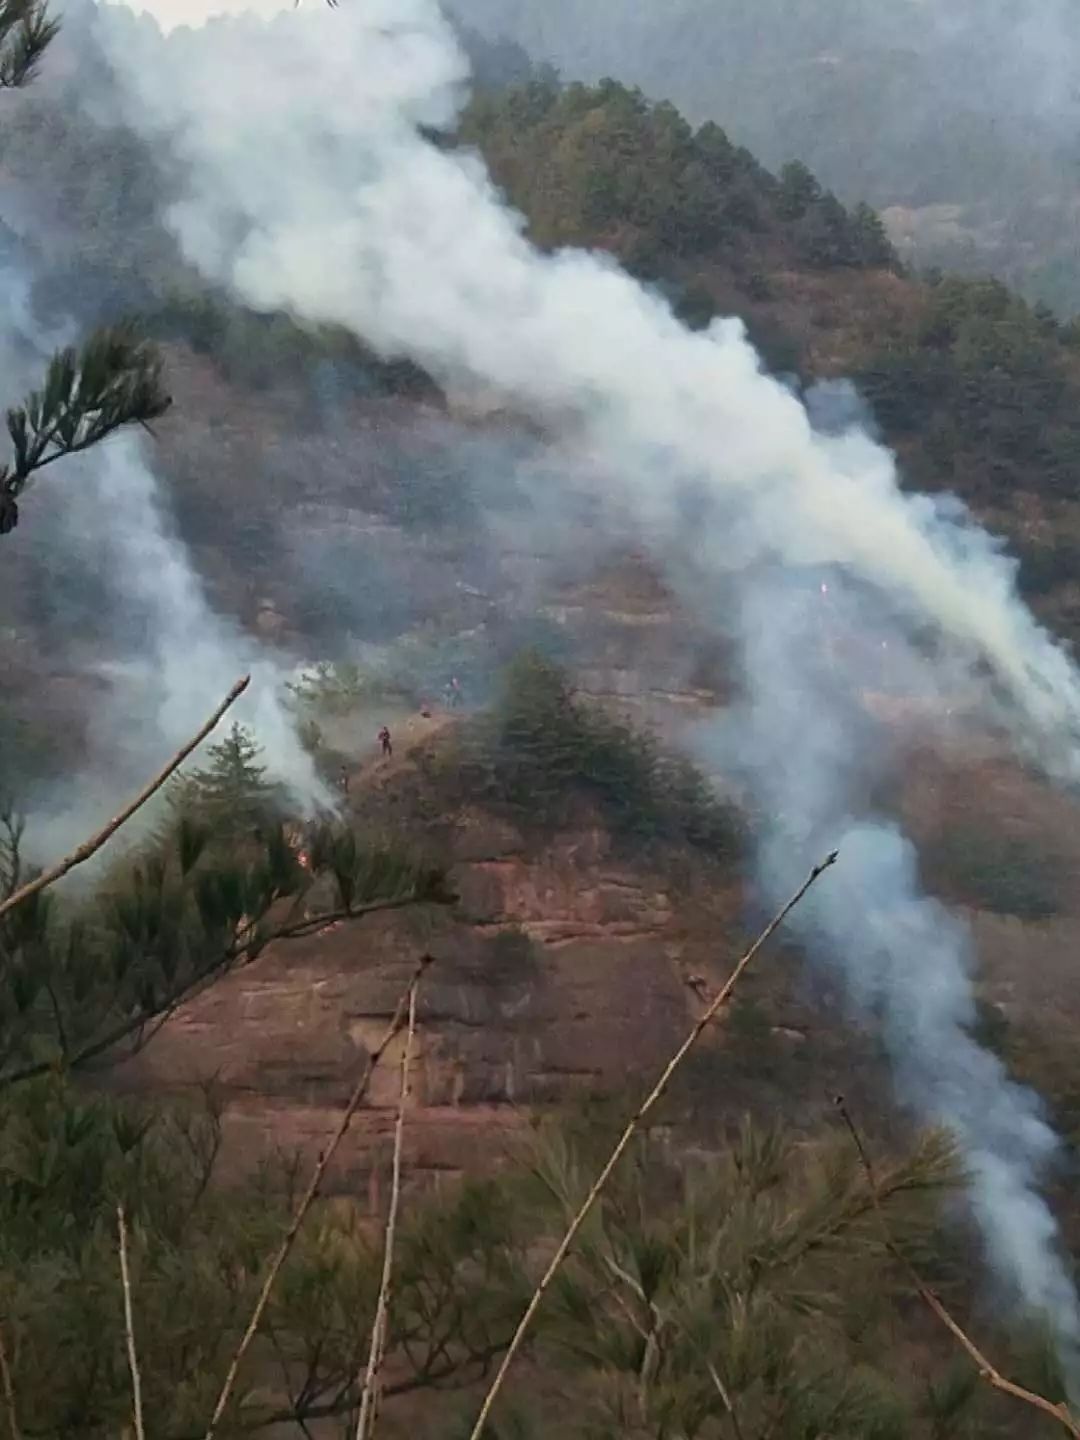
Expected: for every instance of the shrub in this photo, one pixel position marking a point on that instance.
(542, 749)
(996, 872)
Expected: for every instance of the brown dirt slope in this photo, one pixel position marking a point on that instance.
(565, 966)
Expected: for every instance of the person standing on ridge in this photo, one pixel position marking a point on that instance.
(386, 743)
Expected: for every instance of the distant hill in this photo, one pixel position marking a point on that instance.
(960, 121)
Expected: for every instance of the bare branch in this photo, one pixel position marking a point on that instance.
(369, 1398)
(987, 1371)
(725, 1399)
(616, 1155)
(9, 1390)
(397, 1021)
(129, 1325)
(93, 845)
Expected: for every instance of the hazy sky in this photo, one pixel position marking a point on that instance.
(195, 12)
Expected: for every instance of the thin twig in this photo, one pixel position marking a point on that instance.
(654, 1095)
(129, 1325)
(94, 844)
(369, 1398)
(722, 1391)
(396, 1022)
(987, 1371)
(9, 1390)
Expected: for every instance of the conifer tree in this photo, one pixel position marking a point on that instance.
(871, 238)
(232, 791)
(114, 379)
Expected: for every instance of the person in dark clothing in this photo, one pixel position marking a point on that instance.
(385, 742)
(345, 779)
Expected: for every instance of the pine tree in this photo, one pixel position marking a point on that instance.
(799, 190)
(871, 238)
(232, 792)
(114, 379)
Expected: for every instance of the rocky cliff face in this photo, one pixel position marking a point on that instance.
(562, 968)
(570, 965)
(565, 966)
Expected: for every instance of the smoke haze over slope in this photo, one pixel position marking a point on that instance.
(103, 596)
(309, 188)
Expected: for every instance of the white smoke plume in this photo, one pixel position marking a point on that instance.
(170, 658)
(310, 188)
(805, 748)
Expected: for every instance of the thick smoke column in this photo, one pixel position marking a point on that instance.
(170, 658)
(804, 747)
(186, 656)
(311, 189)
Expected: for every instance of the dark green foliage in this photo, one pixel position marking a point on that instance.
(799, 191)
(824, 235)
(115, 380)
(761, 1268)
(232, 793)
(978, 379)
(717, 1285)
(695, 307)
(543, 749)
(991, 870)
(512, 962)
(82, 982)
(827, 235)
(603, 166)
(991, 1029)
(26, 31)
(198, 1252)
(29, 752)
(269, 348)
(872, 243)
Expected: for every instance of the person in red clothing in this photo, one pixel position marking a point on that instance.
(386, 742)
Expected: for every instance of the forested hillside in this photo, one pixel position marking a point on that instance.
(977, 390)
(410, 991)
(958, 121)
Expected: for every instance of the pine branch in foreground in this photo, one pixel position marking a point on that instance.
(26, 32)
(987, 1371)
(93, 845)
(115, 380)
